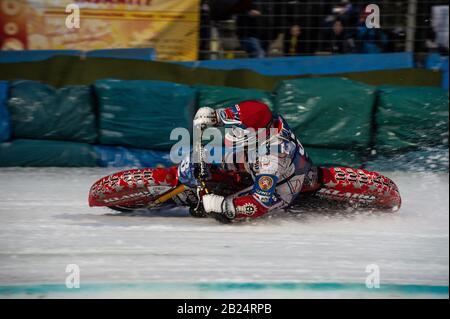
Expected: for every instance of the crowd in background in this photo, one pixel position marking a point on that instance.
(303, 27)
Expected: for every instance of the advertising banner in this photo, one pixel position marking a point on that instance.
(169, 26)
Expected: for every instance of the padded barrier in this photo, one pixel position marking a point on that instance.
(40, 111)
(331, 117)
(334, 157)
(42, 153)
(5, 127)
(142, 114)
(328, 112)
(411, 117)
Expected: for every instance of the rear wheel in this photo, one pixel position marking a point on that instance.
(132, 189)
(359, 188)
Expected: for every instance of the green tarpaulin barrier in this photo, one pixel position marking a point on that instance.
(334, 157)
(337, 120)
(222, 96)
(327, 112)
(42, 112)
(142, 114)
(413, 117)
(42, 153)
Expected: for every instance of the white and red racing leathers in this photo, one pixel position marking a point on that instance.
(278, 176)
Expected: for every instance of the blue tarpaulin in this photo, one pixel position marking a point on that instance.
(131, 54)
(146, 54)
(313, 64)
(118, 156)
(5, 125)
(33, 55)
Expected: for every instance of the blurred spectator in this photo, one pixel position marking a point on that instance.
(340, 28)
(224, 9)
(205, 30)
(294, 41)
(339, 41)
(304, 27)
(430, 40)
(297, 21)
(249, 28)
(397, 38)
(347, 13)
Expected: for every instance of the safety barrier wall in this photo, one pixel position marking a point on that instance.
(42, 55)
(128, 123)
(326, 64)
(437, 62)
(71, 70)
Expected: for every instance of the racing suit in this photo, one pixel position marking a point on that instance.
(278, 176)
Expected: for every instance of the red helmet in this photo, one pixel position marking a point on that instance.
(243, 117)
(247, 114)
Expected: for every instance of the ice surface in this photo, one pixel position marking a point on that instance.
(45, 224)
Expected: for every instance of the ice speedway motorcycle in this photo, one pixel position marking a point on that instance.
(336, 188)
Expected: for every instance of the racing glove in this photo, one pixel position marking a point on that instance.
(219, 206)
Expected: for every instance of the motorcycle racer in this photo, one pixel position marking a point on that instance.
(250, 176)
(278, 176)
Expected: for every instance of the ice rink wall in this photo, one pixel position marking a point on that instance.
(67, 111)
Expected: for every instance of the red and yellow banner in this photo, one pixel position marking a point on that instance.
(169, 26)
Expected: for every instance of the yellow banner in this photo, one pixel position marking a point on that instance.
(171, 27)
